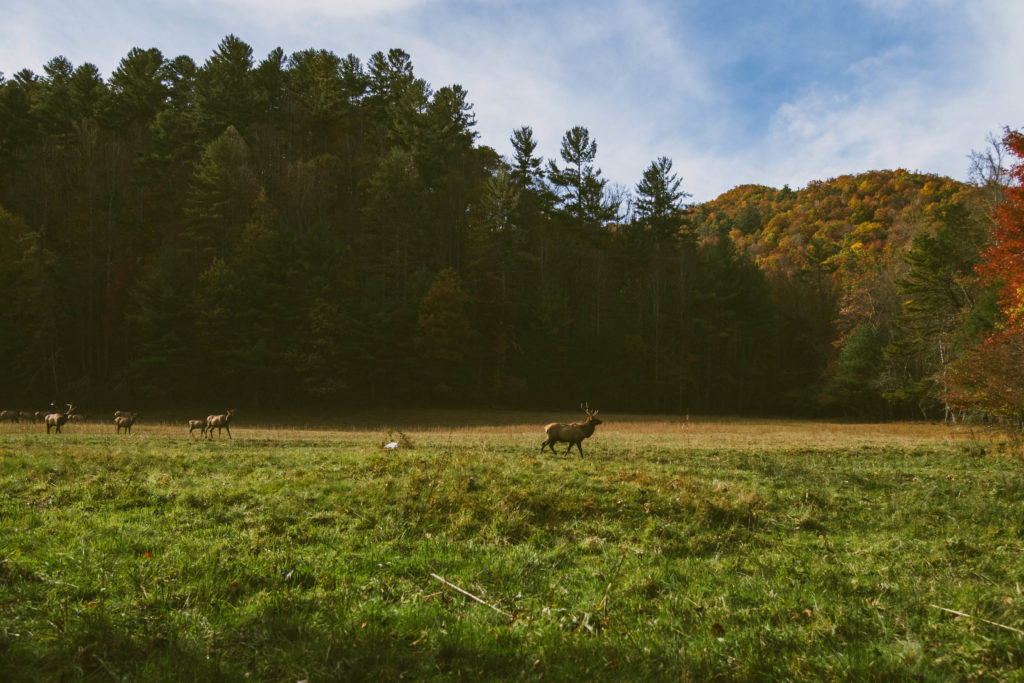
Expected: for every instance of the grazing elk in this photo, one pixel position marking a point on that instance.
(573, 433)
(57, 420)
(9, 415)
(125, 421)
(197, 424)
(219, 422)
(25, 416)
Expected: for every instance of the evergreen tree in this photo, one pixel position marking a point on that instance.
(939, 289)
(579, 184)
(854, 387)
(224, 91)
(315, 79)
(138, 87)
(222, 194)
(161, 325)
(526, 168)
(658, 195)
(396, 97)
(444, 336)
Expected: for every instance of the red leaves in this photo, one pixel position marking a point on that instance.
(1004, 261)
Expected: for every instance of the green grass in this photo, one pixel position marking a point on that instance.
(292, 555)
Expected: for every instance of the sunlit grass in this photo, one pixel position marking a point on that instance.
(688, 549)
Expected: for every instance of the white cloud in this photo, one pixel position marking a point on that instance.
(333, 9)
(901, 108)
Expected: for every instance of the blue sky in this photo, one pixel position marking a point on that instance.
(733, 91)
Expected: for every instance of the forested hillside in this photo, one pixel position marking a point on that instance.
(308, 229)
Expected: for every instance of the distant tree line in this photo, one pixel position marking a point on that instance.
(310, 229)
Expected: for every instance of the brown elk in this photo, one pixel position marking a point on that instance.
(125, 421)
(57, 420)
(25, 416)
(219, 422)
(197, 424)
(9, 415)
(573, 433)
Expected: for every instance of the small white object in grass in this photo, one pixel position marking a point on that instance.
(391, 446)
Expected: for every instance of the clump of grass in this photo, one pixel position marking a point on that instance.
(398, 437)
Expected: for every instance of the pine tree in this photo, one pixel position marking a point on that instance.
(658, 197)
(579, 184)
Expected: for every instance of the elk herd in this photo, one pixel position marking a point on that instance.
(557, 432)
(54, 419)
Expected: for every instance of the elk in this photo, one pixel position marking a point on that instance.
(220, 422)
(25, 416)
(197, 424)
(125, 421)
(573, 433)
(57, 420)
(10, 415)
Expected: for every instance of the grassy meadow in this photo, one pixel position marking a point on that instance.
(673, 550)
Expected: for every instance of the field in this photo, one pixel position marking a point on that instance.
(673, 550)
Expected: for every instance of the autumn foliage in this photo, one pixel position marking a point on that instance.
(310, 229)
(990, 377)
(1004, 261)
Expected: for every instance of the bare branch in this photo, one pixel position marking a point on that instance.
(470, 595)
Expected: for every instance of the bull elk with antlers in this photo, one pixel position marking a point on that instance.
(57, 420)
(573, 433)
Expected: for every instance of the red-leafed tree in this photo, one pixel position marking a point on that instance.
(991, 376)
(1004, 261)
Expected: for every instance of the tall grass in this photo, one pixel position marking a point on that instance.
(673, 550)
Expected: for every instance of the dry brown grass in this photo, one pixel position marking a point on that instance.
(511, 427)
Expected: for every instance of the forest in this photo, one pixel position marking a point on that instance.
(313, 230)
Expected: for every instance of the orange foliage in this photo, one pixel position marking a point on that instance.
(1004, 261)
(850, 232)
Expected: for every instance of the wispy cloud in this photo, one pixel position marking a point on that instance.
(334, 9)
(902, 109)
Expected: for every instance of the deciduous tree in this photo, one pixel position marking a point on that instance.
(989, 376)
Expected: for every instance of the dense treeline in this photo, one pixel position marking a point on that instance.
(311, 229)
